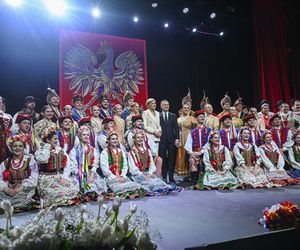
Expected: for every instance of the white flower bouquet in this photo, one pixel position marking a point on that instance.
(78, 229)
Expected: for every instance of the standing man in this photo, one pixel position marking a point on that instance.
(169, 140)
(78, 110)
(104, 109)
(128, 101)
(53, 101)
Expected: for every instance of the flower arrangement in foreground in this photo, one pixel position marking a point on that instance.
(281, 216)
(78, 228)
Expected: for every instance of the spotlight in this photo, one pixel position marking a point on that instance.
(166, 25)
(56, 7)
(154, 5)
(135, 19)
(194, 30)
(14, 3)
(213, 15)
(185, 10)
(221, 33)
(96, 12)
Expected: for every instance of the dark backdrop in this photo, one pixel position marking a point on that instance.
(177, 59)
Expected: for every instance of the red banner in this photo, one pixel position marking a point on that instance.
(92, 64)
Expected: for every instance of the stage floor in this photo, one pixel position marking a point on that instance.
(192, 218)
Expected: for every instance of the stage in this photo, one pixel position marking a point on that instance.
(192, 218)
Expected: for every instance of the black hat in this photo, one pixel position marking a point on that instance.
(76, 98)
(30, 99)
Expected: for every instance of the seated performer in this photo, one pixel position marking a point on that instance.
(67, 133)
(218, 162)
(228, 134)
(255, 134)
(294, 156)
(86, 121)
(18, 176)
(108, 125)
(45, 123)
(5, 125)
(24, 128)
(142, 168)
(55, 186)
(114, 167)
(248, 169)
(273, 162)
(137, 123)
(84, 161)
(194, 145)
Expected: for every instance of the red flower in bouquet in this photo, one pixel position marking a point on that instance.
(140, 166)
(6, 175)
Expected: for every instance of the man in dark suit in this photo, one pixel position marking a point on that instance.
(169, 140)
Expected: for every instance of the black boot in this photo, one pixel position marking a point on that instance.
(194, 177)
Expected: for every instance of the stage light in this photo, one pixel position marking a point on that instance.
(221, 33)
(154, 5)
(135, 19)
(96, 12)
(56, 7)
(166, 25)
(213, 15)
(185, 10)
(194, 30)
(14, 3)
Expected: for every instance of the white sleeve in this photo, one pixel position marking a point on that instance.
(3, 184)
(147, 128)
(33, 178)
(105, 166)
(96, 161)
(257, 154)
(129, 139)
(42, 154)
(133, 169)
(294, 163)
(281, 162)
(265, 160)
(289, 142)
(206, 160)
(237, 154)
(189, 144)
(125, 165)
(228, 161)
(101, 142)
(73, 164)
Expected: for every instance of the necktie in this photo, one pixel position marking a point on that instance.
(165, 118)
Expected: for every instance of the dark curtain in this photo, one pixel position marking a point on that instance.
(270, 30)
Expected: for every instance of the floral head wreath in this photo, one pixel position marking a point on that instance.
(47, 132)
(242, 129)
(13, 139)
(82, 129)
(212, 133)
(110, 133)
(137, 131)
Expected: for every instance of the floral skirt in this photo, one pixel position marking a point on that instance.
(98, 185)
(247, 178)
(214, 180)
(152, 184)
(57, 191)
(126, 189)
(280, 178)
(22, 201)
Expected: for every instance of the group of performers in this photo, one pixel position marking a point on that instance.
(62, 157)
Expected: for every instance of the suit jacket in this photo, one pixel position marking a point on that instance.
(151, 124)
(170, 129)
